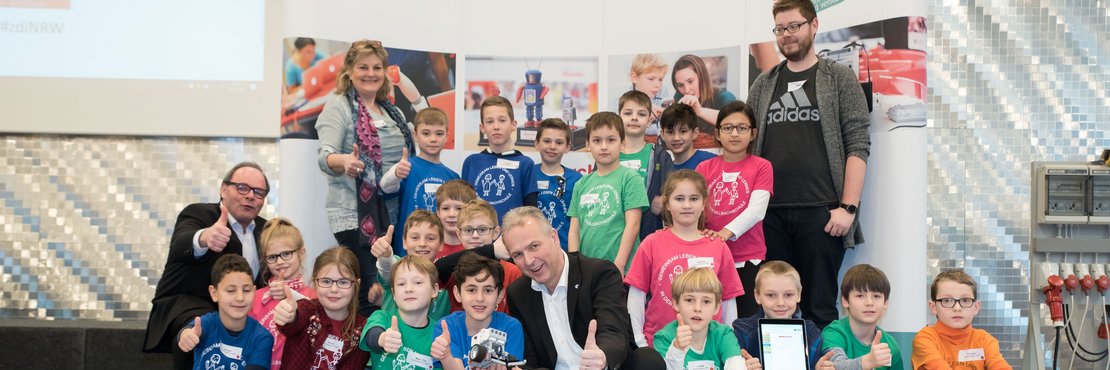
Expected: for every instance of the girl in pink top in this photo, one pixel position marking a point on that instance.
(740, 186)
(283, 251)
(680, 246)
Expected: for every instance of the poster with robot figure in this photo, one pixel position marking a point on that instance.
(538, 88)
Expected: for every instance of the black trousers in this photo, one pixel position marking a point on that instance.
(745, 304)
(367, 266)
(797, 236)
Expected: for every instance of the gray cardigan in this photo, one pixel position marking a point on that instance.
(845, 132)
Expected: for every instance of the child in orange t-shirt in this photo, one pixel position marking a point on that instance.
(952, 343)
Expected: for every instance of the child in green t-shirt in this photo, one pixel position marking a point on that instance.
(403, 339)
(607, 204)
(863, 293)
(423, 238)
(695, 340)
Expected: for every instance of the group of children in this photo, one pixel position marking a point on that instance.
(688, 241)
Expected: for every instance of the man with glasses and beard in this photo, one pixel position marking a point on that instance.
(813, 119)
(203, 233)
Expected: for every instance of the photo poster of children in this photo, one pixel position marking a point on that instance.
(310, 72)
(655, 75)
(538, 88)
(888, 55)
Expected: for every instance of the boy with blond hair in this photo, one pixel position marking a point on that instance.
(778, 289)
(952, 342)
(450, 198)
(695, 340)
(430, 134)
(647, 74)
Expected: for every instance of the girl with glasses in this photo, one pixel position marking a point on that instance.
(282, 250)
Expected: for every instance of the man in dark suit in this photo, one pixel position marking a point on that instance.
(203, 233)
(573, 308)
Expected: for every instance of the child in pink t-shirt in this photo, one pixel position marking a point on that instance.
(283, 250)
(678, 247)
(739, 185)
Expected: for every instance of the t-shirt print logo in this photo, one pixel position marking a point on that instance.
(605, 208)
(493, 184)
(726, 195)
(793, 106)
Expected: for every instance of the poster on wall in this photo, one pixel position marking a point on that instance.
(698, 78)
(310, 73)
(538, 88)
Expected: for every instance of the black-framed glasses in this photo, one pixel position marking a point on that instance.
(951, 302)
(562, 183)
(244, 189)
(327, 283)
(735, 128)
(271, 258)
(792, 28)
(481, 230)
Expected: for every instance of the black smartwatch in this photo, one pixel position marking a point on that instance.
(851, 208)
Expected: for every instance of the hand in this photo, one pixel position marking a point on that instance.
(693, 102)
(683, 336)
(725, 235)
(750, 363)
(190, 337)
(286, 311)
(375, 294)
(215, 237)
(390, 340)
(441, 347)
(824, 363)
(709, 234)
(880, 353)
(657, 205)
(656, 111)
(352, 165)
(402, 168)
(839, 222)
(277, 290)
(383, 246)
(592, 356)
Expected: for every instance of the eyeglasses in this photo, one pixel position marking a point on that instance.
(480, 230)
(244, 189)
(562, 182)
(271, 258)
(951, 302)
(792, 28)
(327, 283)
(738, 129)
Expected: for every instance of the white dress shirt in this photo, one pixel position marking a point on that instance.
(568, 352)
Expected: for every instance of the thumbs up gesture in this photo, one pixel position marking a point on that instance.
(683, 335)
(286, 311)
(592, 356)
(352, 165)
(383, 246)
(215, 237)
(390, 340)
(190, 337)
(825, 362)
(441, 347)
(402, 168)
(750, 363)
(880, 353)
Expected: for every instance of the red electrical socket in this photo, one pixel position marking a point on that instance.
(1052, 298)
(1071, 282)
(1087, 282)
(1102, 329)
(1102, 283)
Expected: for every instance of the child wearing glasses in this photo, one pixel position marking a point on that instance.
(282, 251)
(478, 227)
(740, 186)
(553, 183)
(324, 333)
(952, 342)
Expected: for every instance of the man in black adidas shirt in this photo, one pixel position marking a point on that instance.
(813, 120)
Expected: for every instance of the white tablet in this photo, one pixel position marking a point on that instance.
(783, 345)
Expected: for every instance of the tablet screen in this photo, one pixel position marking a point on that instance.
(783, 344)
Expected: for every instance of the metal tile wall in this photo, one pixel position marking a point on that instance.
(86, 220)
(1010, 82)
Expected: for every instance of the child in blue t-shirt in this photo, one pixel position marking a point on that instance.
(552, 183)
(479, 289)
(499, 174)
(419, 192)
(228, 338)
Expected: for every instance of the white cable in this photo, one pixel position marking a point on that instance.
(1086, 305)
(1104, 315)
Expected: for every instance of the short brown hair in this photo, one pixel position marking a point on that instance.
(552, 124)
(495, 101)
(605, 119)
(678, 115)
(430, 116)
(803, 6)
(473, 264)
(476, 208)
(360, 49)
(227, 264)
(954, 275)
(420, 216)
(864, 278)
(635, 96)
(778, 268)
(457, 190)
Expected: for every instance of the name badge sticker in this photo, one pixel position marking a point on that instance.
(795, 85)
(587, 199)
(699, 262)
(972, 354)
(632, 163)
(431, 188)
(333, 344)
(729, 176)
(419, 360)
(543, 185)
(232, 352)
(507, 164)
(701, 365)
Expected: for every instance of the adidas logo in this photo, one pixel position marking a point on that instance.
(793, 106)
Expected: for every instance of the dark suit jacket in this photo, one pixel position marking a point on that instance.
(183, 288)
(595, 290)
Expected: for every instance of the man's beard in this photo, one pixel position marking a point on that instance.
(804, 44)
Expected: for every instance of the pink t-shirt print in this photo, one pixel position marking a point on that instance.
(730, 188)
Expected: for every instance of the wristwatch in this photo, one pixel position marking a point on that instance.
(851, 208)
